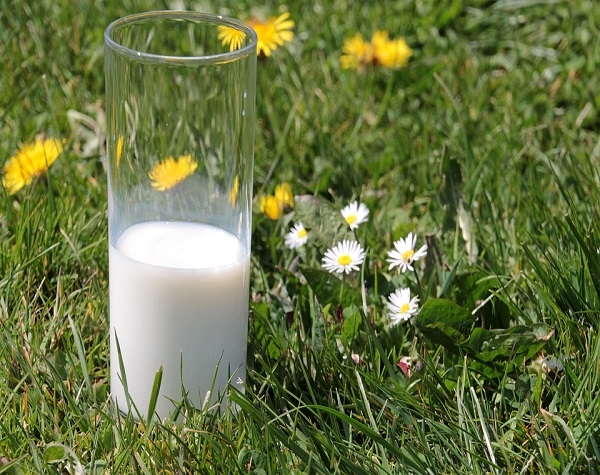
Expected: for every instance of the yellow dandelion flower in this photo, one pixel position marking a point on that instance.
(233, 193)
(30, 161)
(273, 205)
(171, 171)
(119, 149)
(269, 205)
(379, 41)
(357, 53)
(381, 51)
(272, 33)
(284, 196)
(390, 53)
(231, 36)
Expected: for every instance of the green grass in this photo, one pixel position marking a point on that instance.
(497, 113)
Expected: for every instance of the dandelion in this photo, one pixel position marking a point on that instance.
(273, 205)
(284, 196)
(297, 236)
(30, 161)
(269, 206)
(355, 214)
(231, 36)
(380, 51)
(270, 34)
(404, 253)
(119, 149)
(345, 256)
(401, 307)
(171, 171)
(357, 53)
(390, 53)
(233, 193)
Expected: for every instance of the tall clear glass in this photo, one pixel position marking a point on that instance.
(180, 130)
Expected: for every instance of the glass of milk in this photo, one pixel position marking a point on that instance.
(180, 105)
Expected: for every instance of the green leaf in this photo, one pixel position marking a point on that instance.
(351, 325)
(450, 191)
(444, 322)
(507, 347)
(491, 345)
(263, 330)
(450, 13)
(323, 220)
(328, 288)
(474, 287)
(154, 394)
(55, 453)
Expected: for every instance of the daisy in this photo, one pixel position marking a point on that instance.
(345, 256)
(355, 214)
(30, 161)
(401, 307)
(297, 237)
(404, 253)
(171, 171)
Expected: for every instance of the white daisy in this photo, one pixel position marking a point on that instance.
(404, 253)
(345, 256)
(297, 237)
(355, 213)
(401, 307)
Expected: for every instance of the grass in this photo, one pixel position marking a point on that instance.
(488, 136)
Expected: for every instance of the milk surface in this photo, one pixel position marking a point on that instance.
(178, 298)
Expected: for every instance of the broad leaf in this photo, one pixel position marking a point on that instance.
(444, 322)
(351, 325)
(324, 221)
(328, 288)
(503, 345)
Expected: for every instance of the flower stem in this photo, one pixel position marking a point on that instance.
(342, 288)
(418, 282)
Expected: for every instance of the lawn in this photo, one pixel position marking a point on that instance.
(485, 146)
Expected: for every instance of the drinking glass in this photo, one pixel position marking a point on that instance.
(180, 111)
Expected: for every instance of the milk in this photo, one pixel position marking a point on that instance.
(178, 299)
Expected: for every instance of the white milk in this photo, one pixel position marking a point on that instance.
(178, 298)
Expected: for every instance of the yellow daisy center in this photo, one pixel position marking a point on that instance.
(344, 260)
(351, 219)
(407, 255)
(404, 308)
(302, 233)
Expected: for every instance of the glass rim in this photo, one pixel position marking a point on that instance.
(213, 18)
